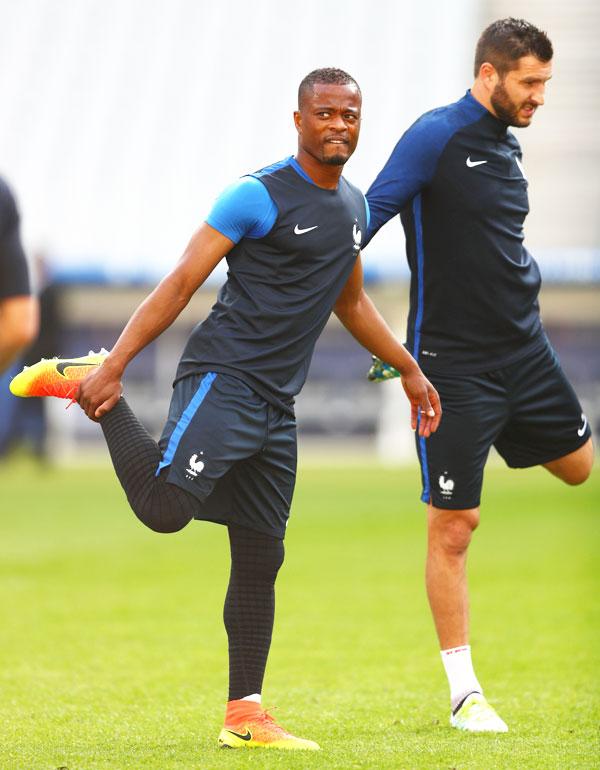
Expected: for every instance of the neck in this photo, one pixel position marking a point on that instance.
(323, 174)
(480, 93)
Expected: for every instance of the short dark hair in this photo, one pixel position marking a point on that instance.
(328, 75)
(505, 41)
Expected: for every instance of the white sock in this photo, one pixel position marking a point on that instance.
(459, 670)
(255, 697)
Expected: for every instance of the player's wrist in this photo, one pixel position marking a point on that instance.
(114, 365)
(409, 368)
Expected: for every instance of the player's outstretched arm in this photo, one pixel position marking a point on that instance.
(359, 315)
(101, 389)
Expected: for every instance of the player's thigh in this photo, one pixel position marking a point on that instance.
(265, 482)
(547, 423)
(453, 458)
(215, 422)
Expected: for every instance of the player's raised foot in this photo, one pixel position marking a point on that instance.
(249, 726)
(381, 371)
(475, 715)
(58, 377)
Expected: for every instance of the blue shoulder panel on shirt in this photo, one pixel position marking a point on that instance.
(243, 210)
(413, 162)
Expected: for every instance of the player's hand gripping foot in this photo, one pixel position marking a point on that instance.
(381, 371)
(475, 715)
(58, 377)
(248, 726)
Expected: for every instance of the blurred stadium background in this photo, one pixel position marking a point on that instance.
(123, 119)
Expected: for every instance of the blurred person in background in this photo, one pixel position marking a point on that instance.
(457, 180)
(18, 308)
(291, 234)
(24, 421)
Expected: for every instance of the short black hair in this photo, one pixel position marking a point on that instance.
(328, 75)
(505, 41)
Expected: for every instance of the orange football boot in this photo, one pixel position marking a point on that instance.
(58, 377)
(249, 726)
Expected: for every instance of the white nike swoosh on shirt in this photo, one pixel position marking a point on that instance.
(473, 163)
(581, 430)
(300, 231)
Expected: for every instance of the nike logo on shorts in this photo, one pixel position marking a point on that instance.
(581, 430)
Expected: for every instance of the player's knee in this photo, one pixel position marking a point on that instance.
(578, 475)
(162, 524)
(452, 530)
(575, 468)
(162, 512)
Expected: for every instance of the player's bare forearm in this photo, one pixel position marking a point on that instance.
(367, 326)
(101, 389)
(359, 315)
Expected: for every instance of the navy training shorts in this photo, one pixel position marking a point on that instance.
(231, 449)
(528, 411)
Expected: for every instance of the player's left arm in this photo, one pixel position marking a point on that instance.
(356, 311)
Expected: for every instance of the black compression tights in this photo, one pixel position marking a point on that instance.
(255, 557)
(135, 455)
(250, 607)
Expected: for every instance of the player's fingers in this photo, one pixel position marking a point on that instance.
(105, 407)
(434, 399)
(424, 426)
(414, 415)
(426, 408)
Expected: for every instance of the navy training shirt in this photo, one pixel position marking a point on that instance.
(457, 180)
(297, 246)
(14, 275)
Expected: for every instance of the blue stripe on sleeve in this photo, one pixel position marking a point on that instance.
(418, 223)
(185, 420)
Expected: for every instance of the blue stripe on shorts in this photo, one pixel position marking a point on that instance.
(185, 420)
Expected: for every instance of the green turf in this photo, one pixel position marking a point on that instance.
(113, 651)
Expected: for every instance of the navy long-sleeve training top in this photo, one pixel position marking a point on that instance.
(456, 178)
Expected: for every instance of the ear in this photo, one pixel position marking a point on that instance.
(298, 121)
(488, 75)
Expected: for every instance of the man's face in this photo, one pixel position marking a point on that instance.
(517, 96)
(328, 122)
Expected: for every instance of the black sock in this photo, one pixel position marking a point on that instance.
(135, 455)
(250, 607)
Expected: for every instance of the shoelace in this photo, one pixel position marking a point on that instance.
(481, 712)
(266, 718)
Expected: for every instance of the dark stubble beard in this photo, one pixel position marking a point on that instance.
(506, 110)
(334, 160)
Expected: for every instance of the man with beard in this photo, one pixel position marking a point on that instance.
(456, 177)
(291, 234)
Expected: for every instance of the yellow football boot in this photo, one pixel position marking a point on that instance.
(58, 377)
(249, 726)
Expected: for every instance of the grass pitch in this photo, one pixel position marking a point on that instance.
(113, 653)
